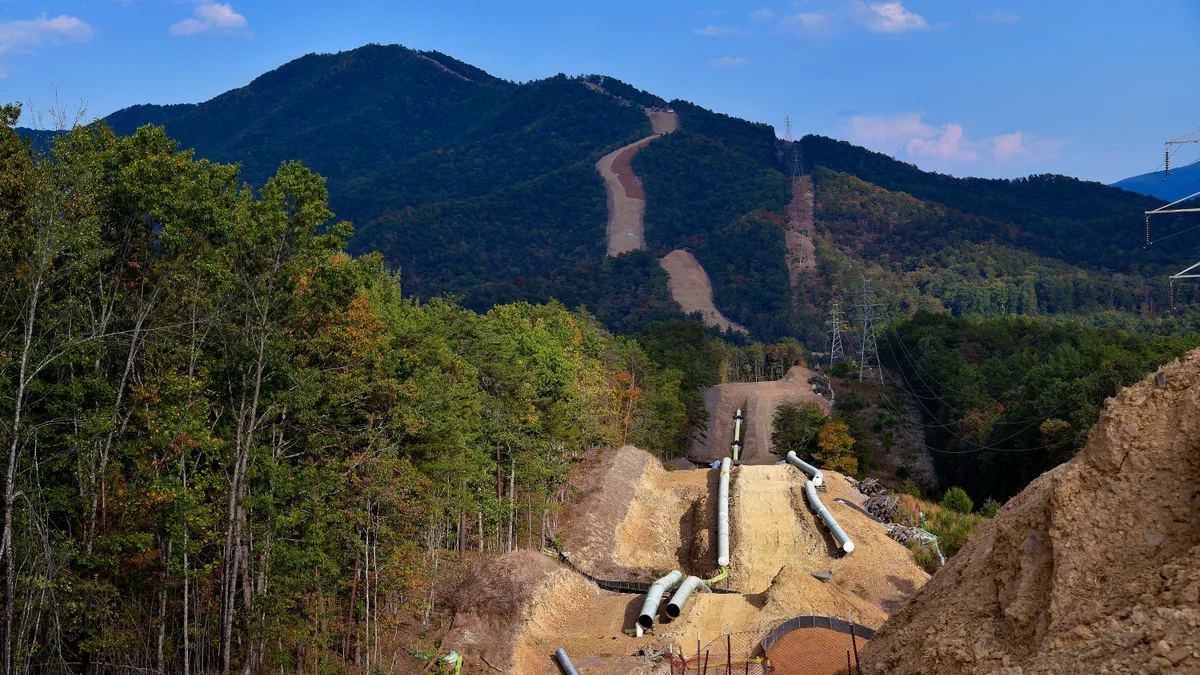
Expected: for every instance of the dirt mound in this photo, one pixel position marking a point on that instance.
(691, 288)
(1092, 568)
(635, 520)
(491, 604)
(758, 401)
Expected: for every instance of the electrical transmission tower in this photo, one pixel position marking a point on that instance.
(1191, 272)
(836, 320)
(868, 350)
(797, 160)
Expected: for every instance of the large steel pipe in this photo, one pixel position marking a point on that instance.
(723, 514)
(654, 596)
(817, 476)
(564, 662)
(810, 491)
(737, 434)
(680, 597)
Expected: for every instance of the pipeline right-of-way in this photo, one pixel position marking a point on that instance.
(810, 492)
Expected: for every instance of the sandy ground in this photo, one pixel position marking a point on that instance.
(691, 288)
(801, 254)
(758, 401)
(626, 199)
(774, 538)
(1091, 569)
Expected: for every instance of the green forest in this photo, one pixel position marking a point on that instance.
(228, 441)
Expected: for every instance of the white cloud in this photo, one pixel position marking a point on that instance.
(1018, 146)
(808, 22)
(212, 18)
(763, 14)
(889, 17)
(948, 143)
(720, 31)
(21, 35)
(997, 16)
(908, 132)
(889, 129)
(729, 62)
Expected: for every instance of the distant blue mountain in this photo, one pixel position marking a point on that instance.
(1181, 183)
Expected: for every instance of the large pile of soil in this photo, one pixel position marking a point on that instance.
(1092, 568)
(758, 401)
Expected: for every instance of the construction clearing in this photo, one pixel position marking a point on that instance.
(635, 520)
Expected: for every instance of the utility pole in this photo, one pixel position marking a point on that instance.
(868, 350)
(836, 320)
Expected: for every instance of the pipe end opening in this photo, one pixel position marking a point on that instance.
(673, 611)
(646, 621)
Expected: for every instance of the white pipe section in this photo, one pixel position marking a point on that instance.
(817, 476)
(839, 534)
(723, 514)
(680, 597)
(737, 434)
(565, 662)
(654, 596)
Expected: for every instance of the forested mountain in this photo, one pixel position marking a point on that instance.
(1183, 182)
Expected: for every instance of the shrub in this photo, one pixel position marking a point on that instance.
(910, 487)
(989, 508)
(840, 369)
(956, 499)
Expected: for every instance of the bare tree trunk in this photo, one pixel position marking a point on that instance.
(512, 502)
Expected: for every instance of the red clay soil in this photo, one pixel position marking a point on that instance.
(1091, 569)
(812, 651)
(623, 166)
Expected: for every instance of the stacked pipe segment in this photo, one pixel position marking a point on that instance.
(839, 534)
(680, 597)
(817, 476)
(654, 596)
(723, 514)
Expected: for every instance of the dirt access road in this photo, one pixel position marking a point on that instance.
(758, 401)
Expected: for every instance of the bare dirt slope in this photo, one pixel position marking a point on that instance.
(626, 198)
(691, 288)
(801, 254)
(1092, 568)
(758, 401)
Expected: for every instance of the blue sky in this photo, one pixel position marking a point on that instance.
(1090, 89)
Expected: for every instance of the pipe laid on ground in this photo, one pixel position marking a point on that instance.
(680, 597)
(565, 662)
(817, 476)
(737, 434)
(839, 534)
(723, 514)
(654, 596)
